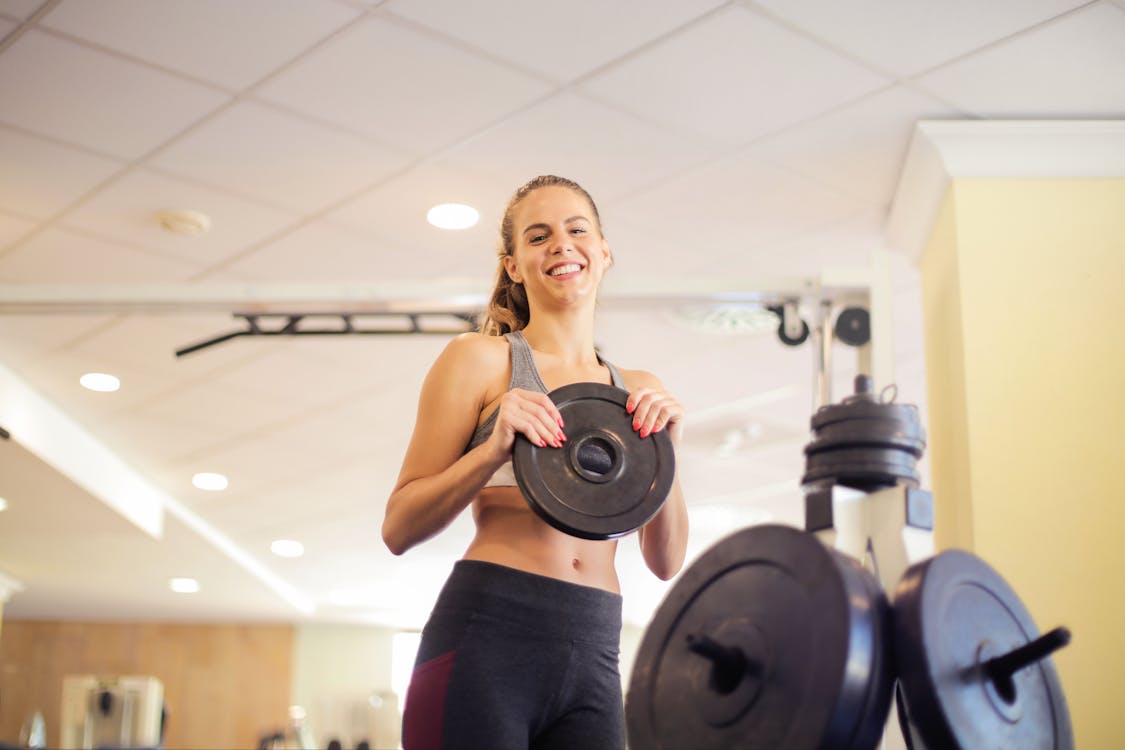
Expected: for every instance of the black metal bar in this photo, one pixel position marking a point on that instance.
(212, 342)
(4, 434)
(1003, 667)
(292, 326)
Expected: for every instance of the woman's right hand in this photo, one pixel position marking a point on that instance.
(529, 413)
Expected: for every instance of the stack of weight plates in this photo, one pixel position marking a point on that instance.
(864, 443)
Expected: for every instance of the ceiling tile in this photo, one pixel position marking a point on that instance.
(907, 37)
(126, 210)
(859, 148)
(20, 8)
(755, 77)
(739, 208)
(845, 244)
(58, 256)
(292, 361)
(39, 178)
(1070, 68)
(86, 97)
(322, 252)
(25, 338)
(12, 230)
(609, 152)
(7, 27)
(395, 215)
(531, 35)
(147, 345)
(261, 152)
(228, 412)
(207, 39)
(56, 377)
(449, 93)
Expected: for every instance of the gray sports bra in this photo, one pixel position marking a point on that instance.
(526, 376)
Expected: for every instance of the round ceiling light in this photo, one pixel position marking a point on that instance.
(287, 548)
(184, 585)
(453, 216)
(100, 382)
(208, 480)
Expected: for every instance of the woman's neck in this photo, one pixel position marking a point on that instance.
(569, 337)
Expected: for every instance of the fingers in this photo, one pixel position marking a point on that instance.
(653, 410)
(533, 415)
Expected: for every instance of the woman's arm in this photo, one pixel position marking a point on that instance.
(663, 539)
(437, 482)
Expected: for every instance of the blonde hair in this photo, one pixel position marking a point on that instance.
(507, 307)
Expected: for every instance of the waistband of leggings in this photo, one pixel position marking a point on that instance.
(555, 608)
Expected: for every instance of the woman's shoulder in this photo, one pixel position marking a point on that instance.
(475, 350)
(635, 379)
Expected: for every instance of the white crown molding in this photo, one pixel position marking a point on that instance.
(943, 150)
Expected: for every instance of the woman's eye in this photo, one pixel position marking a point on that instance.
(578, 230)
(536, 238)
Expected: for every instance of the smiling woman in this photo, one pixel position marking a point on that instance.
(525, 593)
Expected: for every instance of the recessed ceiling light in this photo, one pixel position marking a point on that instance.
(206, 480)
(453, 216)
(184, 585)
(100, 381)
(287, 548)
(3, 504)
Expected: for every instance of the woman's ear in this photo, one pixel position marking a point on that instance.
(608, 253)
(513, 271)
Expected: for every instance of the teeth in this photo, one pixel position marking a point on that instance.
(569, 268)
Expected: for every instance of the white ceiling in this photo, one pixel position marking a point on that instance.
(736, 141)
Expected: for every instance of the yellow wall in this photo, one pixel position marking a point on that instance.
(1024, 298)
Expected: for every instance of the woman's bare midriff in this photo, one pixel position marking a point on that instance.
(510, 533)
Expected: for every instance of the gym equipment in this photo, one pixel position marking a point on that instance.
(864, 442)
(972, 665)
(606, 480)
(853, 326)
(748, 647)
(770, 639)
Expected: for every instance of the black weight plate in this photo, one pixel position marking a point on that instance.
(861, 408)
(891, 459)
(952, 613)
(869, 432)
(862, 467)
(606, 480)
(822, 445)
(808, 620)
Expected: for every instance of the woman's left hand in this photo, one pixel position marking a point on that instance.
(653, 410)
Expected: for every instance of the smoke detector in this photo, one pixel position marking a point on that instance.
(184, 222)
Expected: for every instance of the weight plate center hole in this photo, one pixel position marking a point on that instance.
(597, 458)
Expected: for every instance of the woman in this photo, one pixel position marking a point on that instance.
(521, 650)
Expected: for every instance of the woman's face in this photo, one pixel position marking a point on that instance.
(559, 249)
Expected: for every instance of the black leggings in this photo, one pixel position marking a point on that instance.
(512, 660)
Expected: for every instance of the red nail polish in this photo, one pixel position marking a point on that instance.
(542, 443)
(644, 433)
(636, 424)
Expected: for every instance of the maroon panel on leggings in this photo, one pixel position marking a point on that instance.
(424, 712)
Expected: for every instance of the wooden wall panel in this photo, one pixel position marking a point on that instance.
(225, 685)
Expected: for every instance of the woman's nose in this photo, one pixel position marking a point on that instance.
(562, 244)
